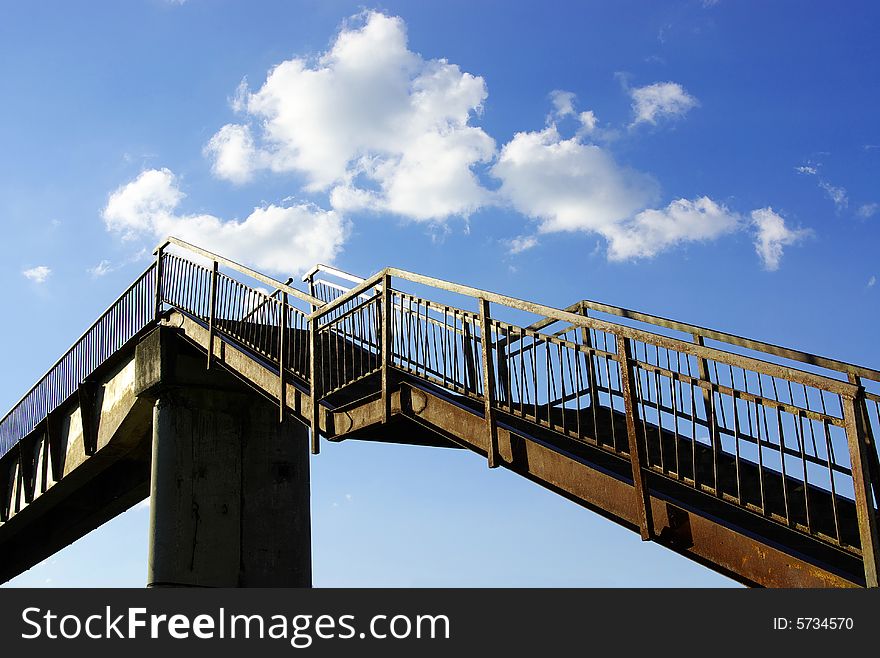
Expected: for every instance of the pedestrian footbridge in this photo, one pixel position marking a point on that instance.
(206, 383)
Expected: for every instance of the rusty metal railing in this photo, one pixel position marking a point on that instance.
(790, 445)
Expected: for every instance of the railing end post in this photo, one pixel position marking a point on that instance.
(636, 454)
(488, 368)
(860, 460)
(313, 385)
(160, 252)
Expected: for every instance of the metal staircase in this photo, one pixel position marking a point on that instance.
(755, 460)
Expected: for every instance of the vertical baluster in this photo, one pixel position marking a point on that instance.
(586, 338)
(674, 385)
(211, 313)
(386, 348)
(282, 356)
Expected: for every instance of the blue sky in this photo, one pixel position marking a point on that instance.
(716, 162)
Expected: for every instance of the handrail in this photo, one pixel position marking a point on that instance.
(549, 315)
(700, 351)
(327, 307)
(329, 269)
(269, 281)
(732, 339)
(78, 340)
(138, 281)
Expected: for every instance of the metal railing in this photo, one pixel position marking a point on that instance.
(126, 317)
(792, 446)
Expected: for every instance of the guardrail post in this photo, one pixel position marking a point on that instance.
(311, 280)
(212, 311)
(282, 355)
(160, 253)
(703, 372)
(385, 312)
(488, 384)
(870, 442)
(313, 378)
(628, 389)
(856, 436)
(587, 340)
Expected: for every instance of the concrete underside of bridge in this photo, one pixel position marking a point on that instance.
(228, 483)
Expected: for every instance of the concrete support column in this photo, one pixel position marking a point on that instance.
(229, 498)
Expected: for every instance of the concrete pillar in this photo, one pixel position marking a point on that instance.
(229, 492)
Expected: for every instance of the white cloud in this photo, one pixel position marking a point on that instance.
(102, 268)
(132, 208)
(653, 231)
(771, 235)
(281, 239)
(568, 185)
(563, 102)
(837, 194)
(374, 123)
(377, 127)
(868, 210)
(38, 274)
(238, 102)
(564, 106)
(232, 149)
(872, 281)
(660, 100)
(521, 243)
(430, 181)
(588, 120)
